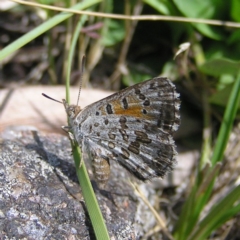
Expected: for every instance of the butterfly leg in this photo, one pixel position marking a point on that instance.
(67, 130)
(72, 139)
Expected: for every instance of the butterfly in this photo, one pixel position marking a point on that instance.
(133, 127)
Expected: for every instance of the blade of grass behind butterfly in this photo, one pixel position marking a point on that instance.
(94, 212)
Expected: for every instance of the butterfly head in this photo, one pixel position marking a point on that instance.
(71, 110)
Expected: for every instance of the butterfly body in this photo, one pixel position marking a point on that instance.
(133, 127)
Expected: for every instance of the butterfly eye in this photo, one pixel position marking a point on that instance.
(77, 110)
(73, 110)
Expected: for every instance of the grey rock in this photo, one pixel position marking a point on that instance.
(40, 197)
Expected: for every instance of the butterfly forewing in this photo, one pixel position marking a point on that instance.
(154, 100)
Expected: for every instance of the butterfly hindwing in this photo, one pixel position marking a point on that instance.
(144, 150)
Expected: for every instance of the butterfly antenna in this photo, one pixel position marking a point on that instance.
(81, 77)
(46, 96)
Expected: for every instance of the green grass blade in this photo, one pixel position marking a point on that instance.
(26, 38)
(187, 222)
(219, 214)
(227, 123)
(183, 225)
(224, 133)
(71, 53)
(94, 211)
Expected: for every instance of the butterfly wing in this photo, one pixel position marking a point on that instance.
(155, 100)
(134, 127)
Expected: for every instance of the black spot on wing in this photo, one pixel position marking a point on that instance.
(109, 109)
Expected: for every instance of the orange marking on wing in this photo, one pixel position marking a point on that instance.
(134, 109)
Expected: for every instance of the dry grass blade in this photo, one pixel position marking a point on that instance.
(155, 213)
(139, 18)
